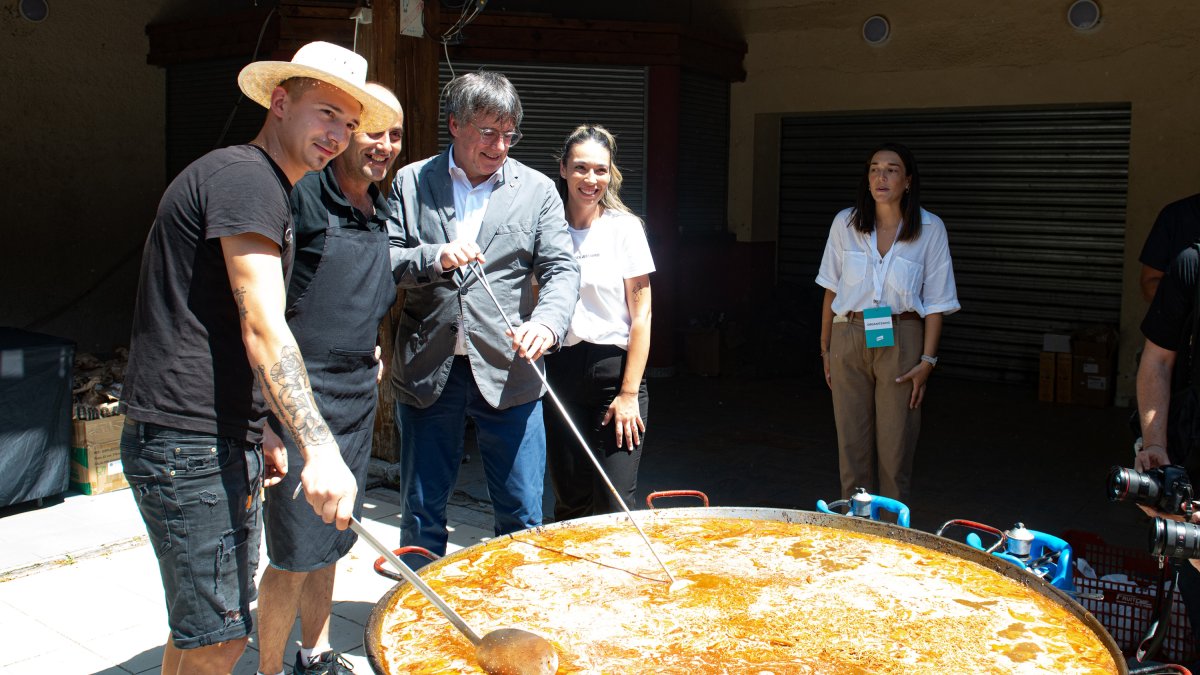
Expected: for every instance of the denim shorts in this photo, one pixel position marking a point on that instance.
(199, 497)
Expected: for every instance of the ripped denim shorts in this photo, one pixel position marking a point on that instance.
(199, 497)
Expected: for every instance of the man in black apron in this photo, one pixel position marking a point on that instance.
(340, 290)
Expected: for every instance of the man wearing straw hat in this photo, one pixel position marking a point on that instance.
(211, 354)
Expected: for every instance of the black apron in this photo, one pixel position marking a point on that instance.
(336, 324)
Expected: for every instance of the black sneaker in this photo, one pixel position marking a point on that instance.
(329, 663)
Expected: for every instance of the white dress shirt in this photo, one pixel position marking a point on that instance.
(914, 276)
(470, 203)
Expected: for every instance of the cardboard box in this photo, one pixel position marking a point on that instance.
(1046, 377)
(96, 432)
(96, 455)
(1094, 351)
(97, 469)
(1063, 378)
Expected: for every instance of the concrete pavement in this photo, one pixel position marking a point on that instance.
(79, 586)
(80, 591)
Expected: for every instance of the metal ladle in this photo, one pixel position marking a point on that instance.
(505, 651)
(673, 583)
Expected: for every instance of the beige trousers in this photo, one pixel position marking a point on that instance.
(877, 432)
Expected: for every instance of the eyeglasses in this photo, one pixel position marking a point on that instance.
(490, 136)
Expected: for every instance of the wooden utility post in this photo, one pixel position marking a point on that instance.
(409, 66)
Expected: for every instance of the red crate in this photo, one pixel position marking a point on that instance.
(1127, 608)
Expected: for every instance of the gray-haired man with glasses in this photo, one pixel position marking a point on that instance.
(472, 207)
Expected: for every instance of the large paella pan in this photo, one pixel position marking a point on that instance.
(772, 591)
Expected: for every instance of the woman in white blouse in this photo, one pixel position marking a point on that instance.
(599, 372)
(888, 258)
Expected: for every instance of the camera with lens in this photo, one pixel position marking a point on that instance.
(1165, 488)
(1175, 539)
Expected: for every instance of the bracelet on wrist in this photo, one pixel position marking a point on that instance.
(1153, 445)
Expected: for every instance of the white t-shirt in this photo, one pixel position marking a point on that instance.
(612, 250)
(914, 276)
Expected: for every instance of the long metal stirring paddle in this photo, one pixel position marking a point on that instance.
(563, 409)
(504, 651)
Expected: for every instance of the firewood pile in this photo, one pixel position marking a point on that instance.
(96, 386)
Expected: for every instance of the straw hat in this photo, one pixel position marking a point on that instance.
(328, 63)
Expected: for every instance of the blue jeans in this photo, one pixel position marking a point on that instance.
(199, 497)
(512, 443)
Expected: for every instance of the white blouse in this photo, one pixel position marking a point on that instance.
(914, 276)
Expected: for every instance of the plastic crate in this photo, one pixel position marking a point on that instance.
(1127, 608)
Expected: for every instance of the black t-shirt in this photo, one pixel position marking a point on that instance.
(314, 199)
(187, 363)
(1177, 227)
(1169, 324)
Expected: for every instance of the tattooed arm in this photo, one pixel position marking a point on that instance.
(256, 278)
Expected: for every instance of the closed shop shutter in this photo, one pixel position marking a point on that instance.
(1033, 199)
(200, 98)
(558, 98)
(702, 182)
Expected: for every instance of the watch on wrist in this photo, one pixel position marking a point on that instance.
(931, 360)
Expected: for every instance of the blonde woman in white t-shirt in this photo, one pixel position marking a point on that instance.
(599, 372)
(887, 256)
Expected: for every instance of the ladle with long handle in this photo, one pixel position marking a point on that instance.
(505, 651)
(673, 583)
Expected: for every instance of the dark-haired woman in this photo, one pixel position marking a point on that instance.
(888, 258)
(598, 373)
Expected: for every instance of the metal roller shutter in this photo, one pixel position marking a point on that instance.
(558, 98)
(1033, 199)
(703, 177)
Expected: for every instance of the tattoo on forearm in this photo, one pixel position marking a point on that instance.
(239, 296)
(293, 401)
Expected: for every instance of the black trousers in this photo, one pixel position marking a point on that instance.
(587, 378)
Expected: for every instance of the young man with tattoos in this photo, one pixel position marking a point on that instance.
(341, 288)
(211, 353)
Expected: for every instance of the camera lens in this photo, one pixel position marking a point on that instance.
(1129, 484)
(1175, 539)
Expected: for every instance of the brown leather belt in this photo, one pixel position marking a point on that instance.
(903, 316)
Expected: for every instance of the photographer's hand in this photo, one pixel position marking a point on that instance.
(1150, 457)
(1155, 513)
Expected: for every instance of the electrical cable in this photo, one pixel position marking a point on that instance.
(455, 31)
(463, 21)
(446, 49)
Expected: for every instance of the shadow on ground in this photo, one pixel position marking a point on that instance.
(988, 452)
